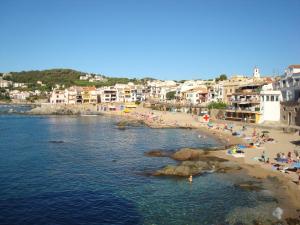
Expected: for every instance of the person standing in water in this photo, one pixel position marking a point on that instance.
(190, 178)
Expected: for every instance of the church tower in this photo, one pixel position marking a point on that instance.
(256, 73)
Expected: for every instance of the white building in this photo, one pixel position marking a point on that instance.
(57, 97)
(289, 84)
(270, 105)
(159, 89)
(22, 85)
(5, 83)
(188, 85)
(196, 96)
(215, 93)
(108, 94)
(73, 95)
(124, 92)
(20, 95)
(292, 69)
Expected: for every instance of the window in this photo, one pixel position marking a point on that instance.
(272, 98)
(283, 108)
(262, 98)
(296, 109)
(277, 98)
(268, 98)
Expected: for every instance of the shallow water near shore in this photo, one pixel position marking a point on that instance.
(83, 170)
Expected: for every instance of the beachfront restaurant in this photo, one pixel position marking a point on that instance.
(243, 116)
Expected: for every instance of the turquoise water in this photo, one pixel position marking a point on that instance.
(83, 170)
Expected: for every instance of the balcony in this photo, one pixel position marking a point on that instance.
(243, 109)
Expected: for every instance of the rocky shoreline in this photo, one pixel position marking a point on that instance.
(61, 109)
(198, 162)
(192, 162)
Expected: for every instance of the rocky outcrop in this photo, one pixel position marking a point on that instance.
(197, 167)
(187, 154)
(130, 123)
(250, 186)
(184, 153)
(158, 153)
(57, 109)
(193, 162)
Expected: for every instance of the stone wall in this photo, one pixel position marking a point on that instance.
(217, 113)
(290, 113)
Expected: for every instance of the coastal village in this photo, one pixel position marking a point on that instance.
(254, 99)
(150, 112)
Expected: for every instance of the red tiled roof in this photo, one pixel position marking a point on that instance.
(92, 88)
(294, 66)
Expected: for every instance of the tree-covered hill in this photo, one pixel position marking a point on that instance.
(51, 77)
(62, 77)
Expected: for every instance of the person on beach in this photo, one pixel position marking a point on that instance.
(254, 132)
(190, 178)
(263, 157)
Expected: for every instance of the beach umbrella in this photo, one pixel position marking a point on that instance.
(265, 132)
(296, 165)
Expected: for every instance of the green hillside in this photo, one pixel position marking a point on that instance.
(51, 77)
(66, 77)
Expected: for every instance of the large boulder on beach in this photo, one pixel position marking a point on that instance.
(187, 154)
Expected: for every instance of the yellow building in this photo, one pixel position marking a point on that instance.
(89, 95)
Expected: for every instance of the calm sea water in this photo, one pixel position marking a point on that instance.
(83, 170)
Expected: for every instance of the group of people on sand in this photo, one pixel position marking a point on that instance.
(285, 163)
(289, 158)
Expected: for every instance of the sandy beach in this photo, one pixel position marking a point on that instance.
(279, 142)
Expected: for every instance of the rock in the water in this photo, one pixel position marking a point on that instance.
(130, 123)
(250, 186)
(228, 165)
(181, 170)
(121, 127)
(157, 153)
(196, 167)
(187, 154)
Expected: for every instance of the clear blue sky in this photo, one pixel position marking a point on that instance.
(166, 39)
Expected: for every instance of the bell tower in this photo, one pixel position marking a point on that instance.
(256, 73)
